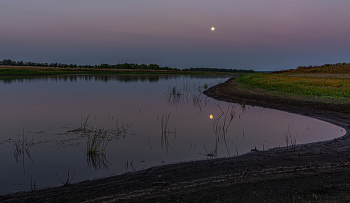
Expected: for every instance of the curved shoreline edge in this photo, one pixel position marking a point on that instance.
(195, 179)
(227, 92)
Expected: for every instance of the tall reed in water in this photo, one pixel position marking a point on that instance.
(97, 143)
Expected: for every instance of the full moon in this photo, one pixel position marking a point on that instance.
(212, 28)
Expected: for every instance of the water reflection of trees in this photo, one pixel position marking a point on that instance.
(104, 78)
(121, 77)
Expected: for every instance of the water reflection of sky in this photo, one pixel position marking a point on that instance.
(46, 108)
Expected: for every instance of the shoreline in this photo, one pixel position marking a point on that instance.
(281, 171)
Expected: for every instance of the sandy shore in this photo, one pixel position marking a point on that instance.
(314, 172)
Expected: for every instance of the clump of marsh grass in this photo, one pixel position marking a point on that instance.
(21, 147)
(165, 131)
(83, 126)
(67, 183)
(182, 95)
(177, 95)
(97, 142)
(290, 140)
(127, 164)
(97, 161)
(164, 123)
(211, 153)
(222, 123)
(243, 105)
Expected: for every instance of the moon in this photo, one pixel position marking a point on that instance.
(211, 116)
(212, 28)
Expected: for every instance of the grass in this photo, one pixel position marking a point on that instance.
(67, 182)
(21, 147)
(290, 141)
(164, 123)
(97, 140)
(85, 124)
(97, 143)
(97, 161)
(343, 68)
(165, 131)
(329, 81)
(324, 86)
(212, 153)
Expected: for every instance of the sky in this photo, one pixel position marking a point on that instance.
(249, 34)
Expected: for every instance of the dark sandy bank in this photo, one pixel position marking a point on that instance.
(315, 172)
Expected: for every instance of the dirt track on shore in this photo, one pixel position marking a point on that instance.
(315, 172)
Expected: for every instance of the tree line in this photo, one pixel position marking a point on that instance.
(120, 66)
(221, 70)
(102, 66)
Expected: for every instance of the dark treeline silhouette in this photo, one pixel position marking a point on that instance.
(21, 63)
(102, 66)
(121, 66)
(222, 70)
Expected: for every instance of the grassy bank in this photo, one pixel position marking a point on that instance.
(329, 83)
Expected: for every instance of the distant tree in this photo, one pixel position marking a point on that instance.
(6, 62)
(20, 63)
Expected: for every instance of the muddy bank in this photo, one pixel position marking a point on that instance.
(315, 172)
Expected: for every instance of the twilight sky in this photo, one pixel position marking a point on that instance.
(249, 34)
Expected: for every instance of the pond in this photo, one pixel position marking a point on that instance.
(97, 126)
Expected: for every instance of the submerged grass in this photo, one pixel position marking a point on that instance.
(84, 123)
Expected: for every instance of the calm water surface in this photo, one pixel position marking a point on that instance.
(147, 120)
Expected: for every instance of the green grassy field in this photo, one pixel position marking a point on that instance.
(329, 82)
